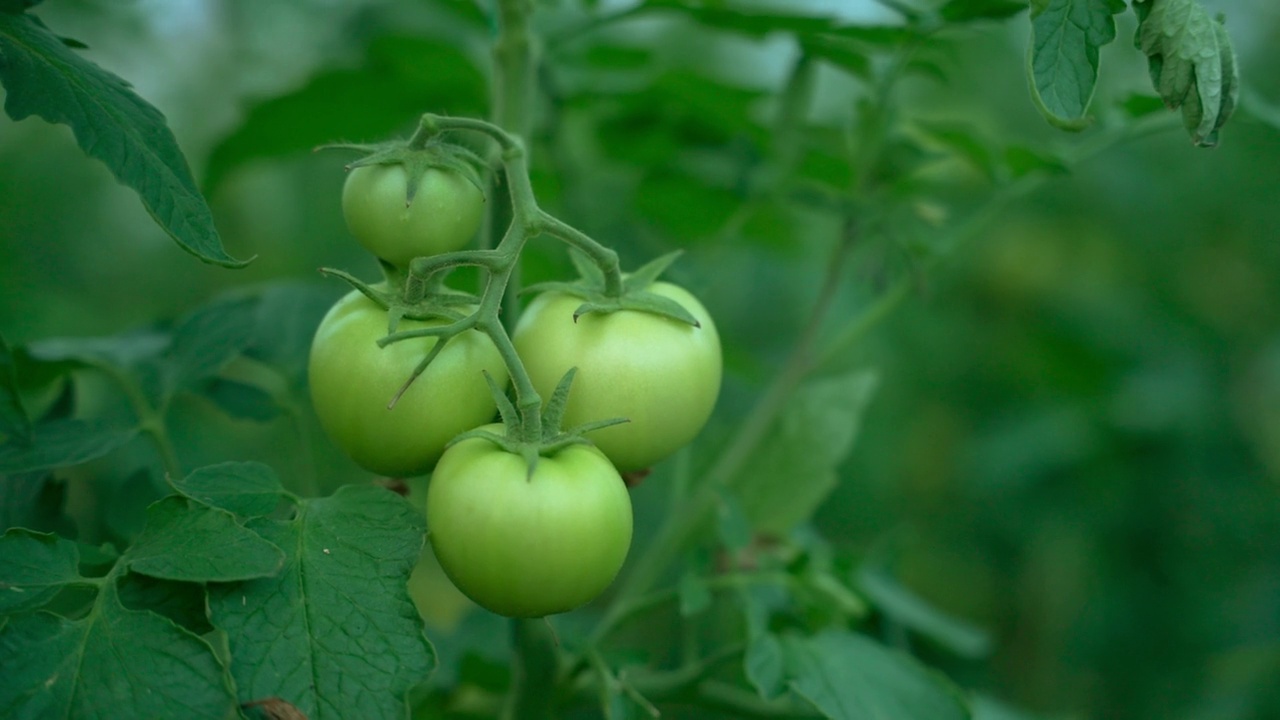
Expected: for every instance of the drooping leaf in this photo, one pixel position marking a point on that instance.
(189, 541)
(33, 568)
(401, 77)
(915, 613)
(335, 633)
(62, 443)
(849, 676)
(43, 76)
(1192, 63)
(114, 662)
(247, 489)
(794, 468)
(1063, 60)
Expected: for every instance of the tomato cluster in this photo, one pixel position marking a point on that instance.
(521, 537)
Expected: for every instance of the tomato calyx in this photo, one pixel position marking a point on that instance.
(635, 294)
(436, 302)
(417, 156)
(550, 439)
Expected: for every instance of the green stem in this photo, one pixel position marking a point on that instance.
(150, 420)
(604, 257)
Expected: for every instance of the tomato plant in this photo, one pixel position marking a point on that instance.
(528, 545)
(442, 213)
(353, 381)
(661, 374)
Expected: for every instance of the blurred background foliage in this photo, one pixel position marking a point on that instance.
(1076, 438)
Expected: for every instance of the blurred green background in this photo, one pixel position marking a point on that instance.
(1076, 441)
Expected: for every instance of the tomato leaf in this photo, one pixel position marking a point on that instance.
(43, 76)
(113, 662)
(181, 602)
(794, 468)
(33, 501)
(33, 568)
(335, 634)
(1192, 64)
(62, 443)
(186, 540)
(207, 339)
(848, 675)
(1063, 61)
(247, 489)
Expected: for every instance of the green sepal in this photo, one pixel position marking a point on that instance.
(590, 273)
(438, 305)
(506, 409)
(640, 301)
(553, 410)
(434, 155)
(649, 273)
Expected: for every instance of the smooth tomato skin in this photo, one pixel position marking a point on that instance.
(352, 380)
(661, 374)
(445, 213)
(528, 547)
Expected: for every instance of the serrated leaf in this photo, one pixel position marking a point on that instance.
(958, 11)
(399, 78)
(33, 568)
(186, 540)
(63, 443)
(794, 468)
(1063, 60)
(335, 633)
(114, 663)
(43, 77)
(248, 489)
(14, 421)
(847, 675)
(915, 613)
(207, 339)
(1192, 63)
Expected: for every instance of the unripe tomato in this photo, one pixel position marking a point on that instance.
(528, 547)
(661, 374)
(352, 381)
(445, 212)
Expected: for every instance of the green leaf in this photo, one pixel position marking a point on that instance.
(247, 489)
(400, 78)
(241, 400)
(33, 568)
(186, 540)
(1192, 64)
(747, 22)
(794, 468)
(965, 142)
(181, 602)
(42, 76)
(958, 11)
(115, 662)
(17, 6)
(1063, 59)
(915, 613)
(335, 634)
(286, 320)
(62, 443)
(14, 421)
(847, 675)
(693, 594)
(33, 501)
(207, 339)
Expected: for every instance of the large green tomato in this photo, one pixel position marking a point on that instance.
(661, 374)
(528, 547)
(352, 381)
(445, 213)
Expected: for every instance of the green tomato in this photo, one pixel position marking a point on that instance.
(445, 213)
(660, 374)
(528, 547)
(352, 381)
